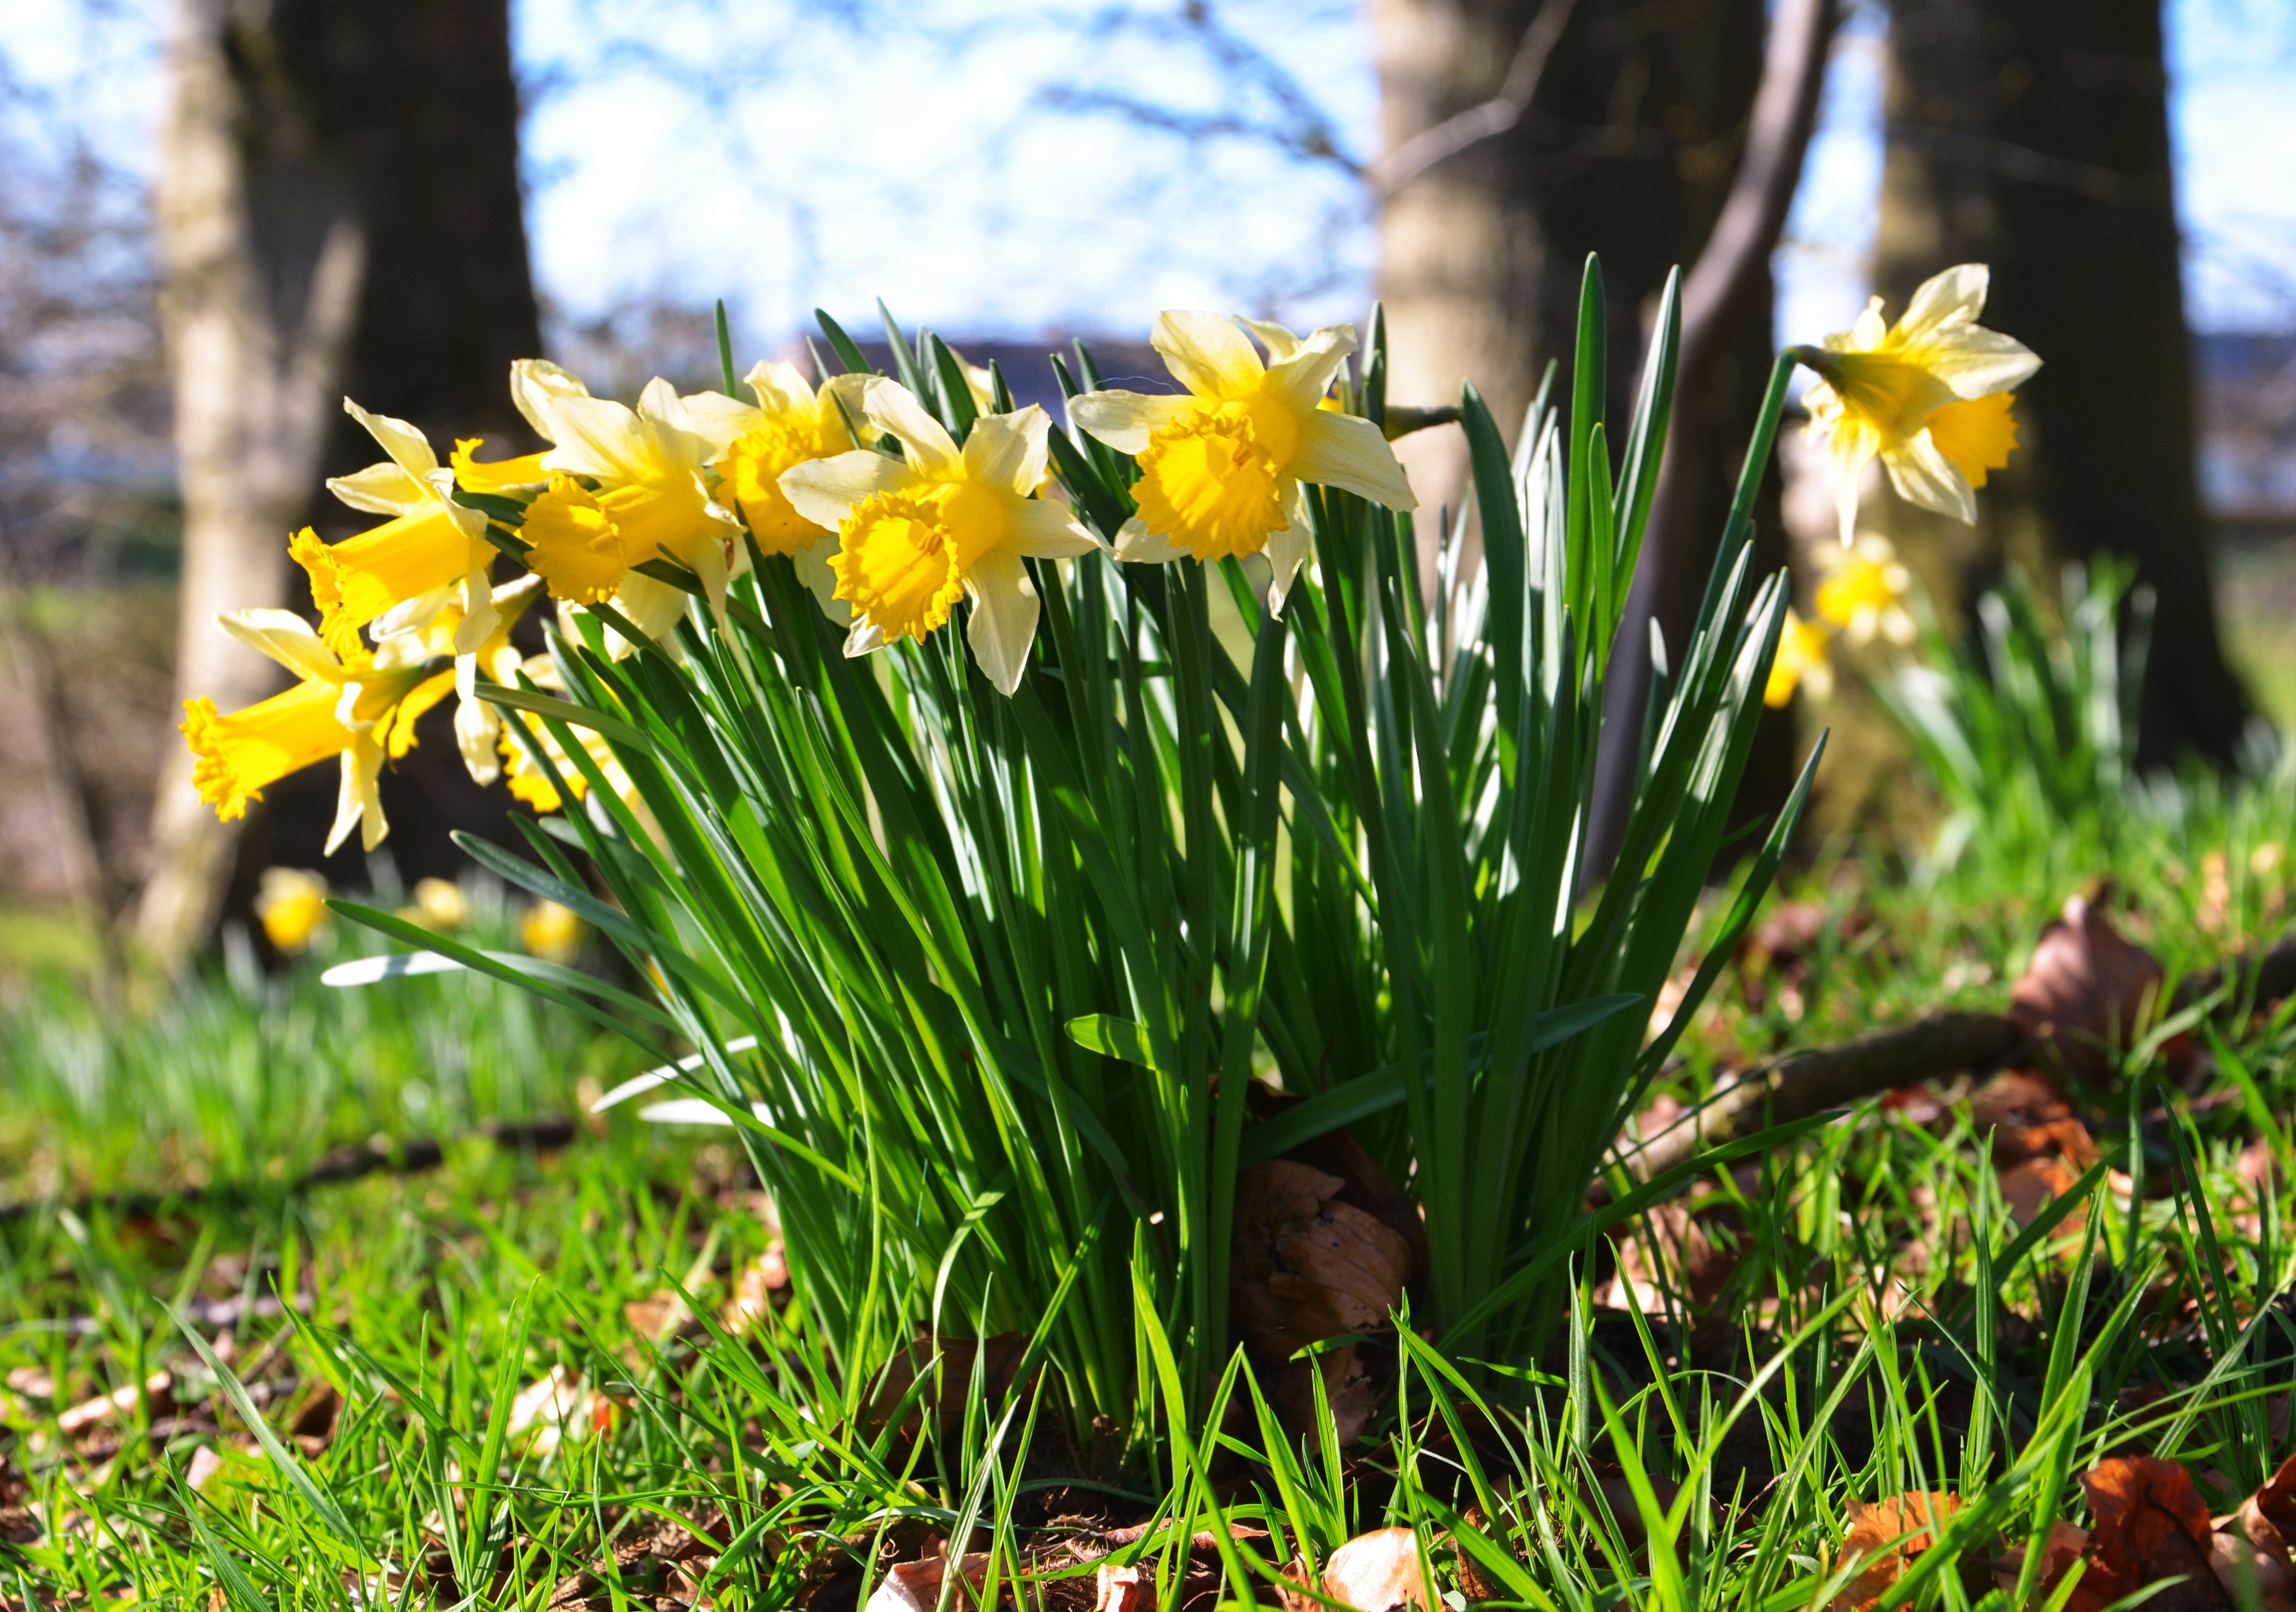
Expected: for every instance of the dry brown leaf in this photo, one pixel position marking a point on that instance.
(762, 1286)
(1666, 1243)
(2237, 1562)
(2086, 988)
(2151, 1524)
(915, 1586)
(1124, 1589)
(947, 1363)
(1347, 1392)
(1378, 1572)
(2255, 1543)
(2066, 1544)
(1307, 1264)
(1885, 1537)
(105, 1407)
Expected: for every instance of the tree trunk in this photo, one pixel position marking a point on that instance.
(1626, 149)
(340, 213)
(262, 257)
(2034, 134)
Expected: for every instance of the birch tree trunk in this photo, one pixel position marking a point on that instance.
(262, 255)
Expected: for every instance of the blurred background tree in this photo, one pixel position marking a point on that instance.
(339, 210)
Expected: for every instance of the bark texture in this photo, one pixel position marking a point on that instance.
(1626, 148)
(340, 212)
(263, 256)
(2033, 135)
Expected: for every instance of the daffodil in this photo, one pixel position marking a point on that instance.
(627, 486)
(1221, 466)
(291, 903)
(551, 932)
(441, 904)
(1801, 662)
(1865, 592)
(406, 571)
(359, 707)
(943, 523)
(1910, 394)
(473, 475)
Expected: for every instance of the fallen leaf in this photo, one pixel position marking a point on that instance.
(32, 1382)
(659, 1317)
(2027, 1117)
(1885, 1537)
(2066, 1544)
(2151, 1524)
(762, 1288)
(1347, 1392)
(915, 1586)
(1378, 1572)
(1665, 1251)
(557, 1407)
(1124, 1589)
(1307, 1264)
(2086, 987)
(104, 1407)
(2243, 1570)
(949, 1363)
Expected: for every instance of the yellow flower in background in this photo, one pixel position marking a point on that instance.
(1881, 387)
(1801, 663)
(551, 932)
(916, 535)
(531, 785)
(1220, 467)
(406, 571)
(441, 904)
(649, 500)
(361, 708)
(1865, 592)
(291, 906)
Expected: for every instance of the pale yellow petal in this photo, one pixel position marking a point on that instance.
(1925, 476)
(891, 409)
(358, 802)
(408, 448)
(1279, 341)
(843, 407)
(1007, 451)
(1954, 297)
(1208, 354)
(717, 419)
(1287, 551)
(1976, 362)
(1344, 451)
(1303, 378)
(812, 569)
(535, 384)
(1004, 618)
(780, 388)
(382, 490)
(1136, 545)
(596, 437)
(1124, 420)
(287, 639)
(826, 490)
(1045, 531)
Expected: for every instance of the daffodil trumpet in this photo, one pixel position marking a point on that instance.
(1928, 396)
(939, 524)
(1221, 465)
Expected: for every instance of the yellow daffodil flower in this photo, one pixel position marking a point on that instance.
(944, 523)
(551, 932)
(403, 574)
(1220, 467)
(291, 905)
(362, 708)
(473, 475)
(1865, 592)
(1882, 388)
(439, 904)
(1801, 662)
(627, 486)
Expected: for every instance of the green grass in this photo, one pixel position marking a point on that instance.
(1847, 1354)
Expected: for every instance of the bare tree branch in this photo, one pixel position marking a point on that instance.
(1484, 121)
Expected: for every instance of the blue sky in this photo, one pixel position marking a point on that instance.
(767, 151)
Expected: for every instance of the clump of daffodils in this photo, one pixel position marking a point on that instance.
(633, 513)
(1929, 395)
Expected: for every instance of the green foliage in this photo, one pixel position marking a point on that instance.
(984, 981)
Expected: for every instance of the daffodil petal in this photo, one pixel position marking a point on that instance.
(535, 384)
(893, 410)
(408, 447)
(1351, 454)
(866, 638)
(287, 639)
(595, 436)
(1007, 451)
(779, 388)
(1287, 551)
(1955, 296)
(1004, 618)
(812, 569)
(477, 730)
(1124, 420)
(1978, 362)
(1925, 476)
(826, 490)
(382, 490)
(358, 803)
(1043, 530)
(1303, 378)
(1208, 353)
(1136, 545)
(717, 419)
(1279, 341)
